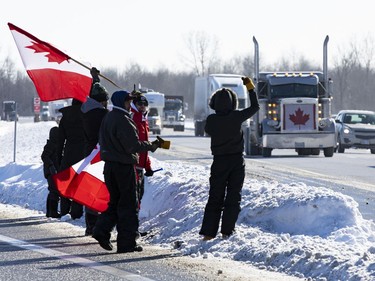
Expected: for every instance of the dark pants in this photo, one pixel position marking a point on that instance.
(140, 184)
(122, 207)
(68, 206)
(53, 198)
(226, 181)
(53, 193)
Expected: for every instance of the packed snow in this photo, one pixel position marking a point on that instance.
(304, 231)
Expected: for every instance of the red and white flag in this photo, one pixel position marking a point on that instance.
(84, 182)
(55, 75)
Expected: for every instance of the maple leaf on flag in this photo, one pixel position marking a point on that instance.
(55, 74)
(52, 56)
(299, 118)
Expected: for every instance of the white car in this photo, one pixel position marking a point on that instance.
(355, 128)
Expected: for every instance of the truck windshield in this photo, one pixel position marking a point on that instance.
(294, 91)
(173, 105)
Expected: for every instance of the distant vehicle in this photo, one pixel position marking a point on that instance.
(54, 109)
(44, 113)
(174, 113)
(295, 110)
(155, 111)
(9, 108)
(355, 128)
(13, 116)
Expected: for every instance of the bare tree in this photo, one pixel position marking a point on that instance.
(203, 50)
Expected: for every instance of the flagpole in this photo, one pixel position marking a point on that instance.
(89, 68)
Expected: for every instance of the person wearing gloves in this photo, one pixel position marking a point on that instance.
(119, 148)
(94, 110)
(228, 167)
(139, 112)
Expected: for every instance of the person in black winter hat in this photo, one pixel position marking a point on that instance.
(228, 167)
(94, 110)
(119, 147)
(50, 166)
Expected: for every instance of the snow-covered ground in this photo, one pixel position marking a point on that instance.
(304, 231)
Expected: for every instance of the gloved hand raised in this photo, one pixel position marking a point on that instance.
(248, 83)
(95, 74)
(149, 173)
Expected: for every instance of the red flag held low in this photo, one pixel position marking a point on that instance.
(55, 75)
(84, 183)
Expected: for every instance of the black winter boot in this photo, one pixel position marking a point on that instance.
(52, 209)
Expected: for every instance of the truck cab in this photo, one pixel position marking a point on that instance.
(295, 112)
(174, 113)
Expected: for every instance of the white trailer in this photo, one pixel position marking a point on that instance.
(155, 107)
(54, 107)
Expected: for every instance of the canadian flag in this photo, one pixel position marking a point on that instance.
(84, 182)
(54, 74)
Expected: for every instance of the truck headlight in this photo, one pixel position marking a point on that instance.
(324, 123)
(272, 123)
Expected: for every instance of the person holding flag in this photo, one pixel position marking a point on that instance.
(94, 110)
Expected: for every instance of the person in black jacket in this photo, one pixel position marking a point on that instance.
(228, 167)
(119, 147)
(50, 166)
(94, 110)
(70, 150)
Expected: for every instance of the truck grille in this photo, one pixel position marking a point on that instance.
(364, 134)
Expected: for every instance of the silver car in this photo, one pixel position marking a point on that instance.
(355, 128)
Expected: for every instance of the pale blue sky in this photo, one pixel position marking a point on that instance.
(115, 33)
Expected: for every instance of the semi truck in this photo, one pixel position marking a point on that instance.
(9, 112)
(174, 113)
(295, 111)
(205, 86)
(156, 103)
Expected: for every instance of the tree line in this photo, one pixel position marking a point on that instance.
(352, 73)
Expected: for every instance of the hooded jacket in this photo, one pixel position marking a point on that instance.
(224, 126)
(93, 114)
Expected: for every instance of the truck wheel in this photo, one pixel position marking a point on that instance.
(328, 151)
(266, 152)
(372, 151)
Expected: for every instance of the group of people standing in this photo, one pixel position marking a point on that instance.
(123, 137)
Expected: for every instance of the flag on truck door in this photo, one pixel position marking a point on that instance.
(299, 117)
(54, 74)
(84, 182)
